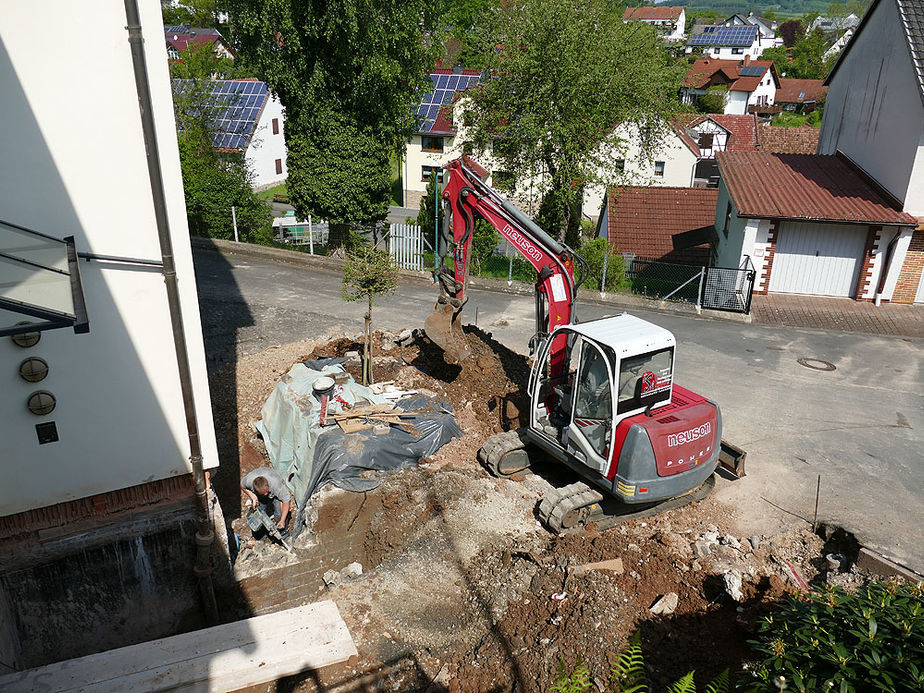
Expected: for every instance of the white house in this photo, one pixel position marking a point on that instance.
(435, 141)
(766, 28)
(874, 116)
(751, 84)
(670, 22)
(97, 500)
(727, 42)
(833, 25)
(248, 120)
(683, 158)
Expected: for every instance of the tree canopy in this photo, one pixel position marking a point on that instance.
(563, 73)
(347, 73)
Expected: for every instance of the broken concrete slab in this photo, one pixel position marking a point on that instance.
(665, 605)
(614, 565)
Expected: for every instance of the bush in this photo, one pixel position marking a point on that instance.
(484, 241)
(594, 252)
(713, 101)
(870, 640)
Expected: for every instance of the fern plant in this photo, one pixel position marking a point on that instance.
(627, 675)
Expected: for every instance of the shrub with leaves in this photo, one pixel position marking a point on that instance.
(484, 241)
(594, 252)
(869, 640)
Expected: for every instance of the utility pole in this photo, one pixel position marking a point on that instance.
(436, 220)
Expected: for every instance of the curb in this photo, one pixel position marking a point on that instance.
(877, 564)
(516, 288)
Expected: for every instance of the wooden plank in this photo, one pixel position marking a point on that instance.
(221, 658)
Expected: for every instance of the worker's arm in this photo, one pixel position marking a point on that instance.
(283, 515)
(251, 496)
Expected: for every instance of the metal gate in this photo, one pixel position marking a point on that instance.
(405, 245)
(728, 288)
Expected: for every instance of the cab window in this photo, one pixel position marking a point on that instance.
(645, 379)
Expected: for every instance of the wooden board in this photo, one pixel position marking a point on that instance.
(222, 658)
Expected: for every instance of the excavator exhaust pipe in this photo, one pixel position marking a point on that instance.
(444, 329)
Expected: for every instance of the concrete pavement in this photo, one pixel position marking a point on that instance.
(858, 425)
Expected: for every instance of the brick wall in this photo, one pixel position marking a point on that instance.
(872, 256)
(762, 285)
(35, 526)
(910, 275)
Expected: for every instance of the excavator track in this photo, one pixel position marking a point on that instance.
(571, 508)
(504, 454)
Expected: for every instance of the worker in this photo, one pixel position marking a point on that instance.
(266, 488)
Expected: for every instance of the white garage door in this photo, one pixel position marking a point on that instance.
(817, 259)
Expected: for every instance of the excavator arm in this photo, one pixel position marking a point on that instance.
(467, 196)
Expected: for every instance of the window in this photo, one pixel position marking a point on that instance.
(728, 213)
(426, 172)
(278, 166)
(467, 148)
(737, 51)
(275, 126)
(431, 144)
(705, 140)
(503, 180)
(645, 379)
(501, 147)
(620, 165)
(593, 404)
(659, 169)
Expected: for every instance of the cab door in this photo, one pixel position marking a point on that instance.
(591, 429)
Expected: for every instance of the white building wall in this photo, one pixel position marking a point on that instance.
(265, 148)
(736, 103)
(415, 158)
(72, 162)
(729, 250)
(679, 164)
(873, 110)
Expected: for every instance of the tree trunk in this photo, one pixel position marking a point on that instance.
(337, 238)
(367, 347)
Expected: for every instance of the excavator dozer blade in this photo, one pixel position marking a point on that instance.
(445, 330)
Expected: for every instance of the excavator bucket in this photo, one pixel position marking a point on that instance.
(445, 330)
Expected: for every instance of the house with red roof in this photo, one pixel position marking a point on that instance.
(806, 223)
(670, 22)
(182, 36)
(751, 83)
(684, 157)
(435, 140)
(874, 116)
(666, 224)
(800, 95)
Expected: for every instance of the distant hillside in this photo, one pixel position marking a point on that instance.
(782, 8)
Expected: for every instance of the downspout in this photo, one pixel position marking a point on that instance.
(205, 534)
(886, 264)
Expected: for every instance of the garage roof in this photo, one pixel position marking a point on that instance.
(808, 187)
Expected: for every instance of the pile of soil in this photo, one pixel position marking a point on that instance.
(459, 576)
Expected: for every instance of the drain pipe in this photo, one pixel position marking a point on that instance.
(205, 534)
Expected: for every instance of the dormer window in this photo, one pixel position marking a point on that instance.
(705, 140)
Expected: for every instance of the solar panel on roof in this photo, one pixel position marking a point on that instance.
(751, 71)
(726, 36)
(235, 107)
(445, 87)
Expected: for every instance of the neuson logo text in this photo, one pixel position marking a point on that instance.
(527, 247)
(675, 439)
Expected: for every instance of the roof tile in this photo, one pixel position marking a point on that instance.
(807, 187)
(652, 13)
(644, 221)
(788, 140)
(800, 90)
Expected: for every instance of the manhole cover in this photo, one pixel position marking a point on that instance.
(817, 364)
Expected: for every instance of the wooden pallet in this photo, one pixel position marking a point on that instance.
(222, 658)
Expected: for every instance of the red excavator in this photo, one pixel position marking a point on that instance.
(602, 398)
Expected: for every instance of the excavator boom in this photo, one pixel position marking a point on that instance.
(467, 197)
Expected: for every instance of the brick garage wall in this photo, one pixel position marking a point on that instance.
(910, 276)
(872, 255)
(762, 285)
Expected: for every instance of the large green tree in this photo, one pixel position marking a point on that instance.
(348, 73)
(563, 73)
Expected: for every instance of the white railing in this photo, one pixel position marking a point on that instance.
(405, 245)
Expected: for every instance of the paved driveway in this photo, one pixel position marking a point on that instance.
(859, 425)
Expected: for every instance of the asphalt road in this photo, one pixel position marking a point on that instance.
(859, 426)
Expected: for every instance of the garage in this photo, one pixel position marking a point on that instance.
(818, 259)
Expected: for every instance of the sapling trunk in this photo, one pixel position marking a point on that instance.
(367, 347)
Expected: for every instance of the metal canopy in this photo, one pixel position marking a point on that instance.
(40, 278)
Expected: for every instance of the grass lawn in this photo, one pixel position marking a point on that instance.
(267, 195)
